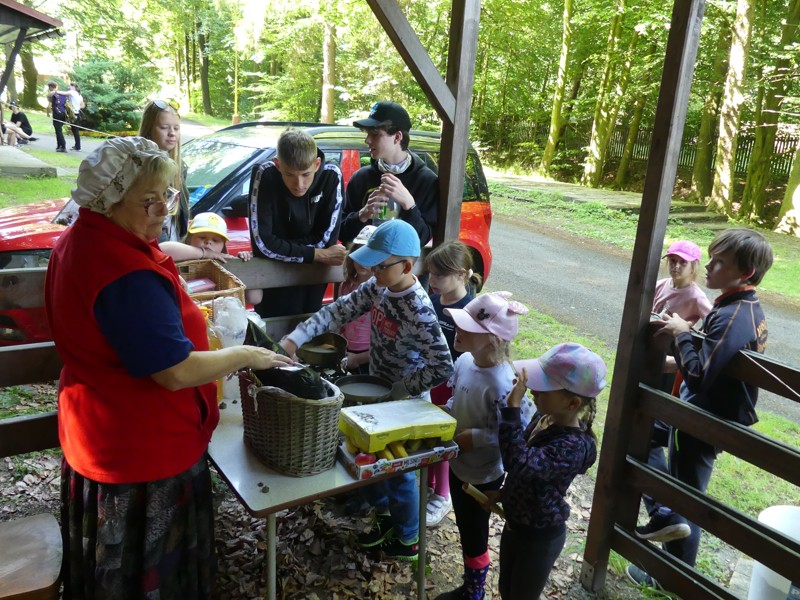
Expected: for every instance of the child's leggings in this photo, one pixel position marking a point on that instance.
(472, 519)
(526, 559)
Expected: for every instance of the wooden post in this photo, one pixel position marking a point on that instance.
(455, 135)
(610, 497)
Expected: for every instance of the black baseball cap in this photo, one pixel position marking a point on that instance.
(386, 113)
(12, 103)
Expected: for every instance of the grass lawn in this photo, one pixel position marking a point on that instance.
(18, 190)
(618, 227)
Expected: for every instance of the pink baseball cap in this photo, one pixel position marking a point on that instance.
(688, 251)
(489, 313)
(569, 366)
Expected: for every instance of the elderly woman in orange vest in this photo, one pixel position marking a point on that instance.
(137, 399)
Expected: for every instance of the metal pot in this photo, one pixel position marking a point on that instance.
(364, 389)
(326, 350)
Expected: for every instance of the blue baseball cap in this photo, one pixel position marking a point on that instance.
(392, 238)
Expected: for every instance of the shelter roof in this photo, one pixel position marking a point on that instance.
(15, 16)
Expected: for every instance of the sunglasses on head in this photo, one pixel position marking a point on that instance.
(165, 104)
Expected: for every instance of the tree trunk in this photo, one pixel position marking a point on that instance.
(732, 98)
(202, 41)
(702, 173)
(328, 73)
(593, 167)
(187, 53)
(758, 172)
(790, 208)
(633, 132)
(558, 94)
(30, 74)
(567, 112)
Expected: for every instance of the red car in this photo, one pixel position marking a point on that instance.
(219, 167)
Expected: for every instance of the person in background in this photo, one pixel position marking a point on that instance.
(76, 101)
(406, 348)
(356, 332)
(208, 234)
(137, 401)
(394, 176)
(449, 266)
(738, 260)
(161, 123)
(677, 294)
(18, 129)
(57, 108)
(294, 212)
(542, 460)
(481, 382)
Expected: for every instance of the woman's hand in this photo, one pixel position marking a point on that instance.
(518, 391)
(267, 359)
(245, 255)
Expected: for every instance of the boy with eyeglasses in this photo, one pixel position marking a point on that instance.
(407, 348)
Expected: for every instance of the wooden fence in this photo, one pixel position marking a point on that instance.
(532, 136)
(616, 507)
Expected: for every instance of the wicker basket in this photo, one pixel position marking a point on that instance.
(227, 283)
(295, 436)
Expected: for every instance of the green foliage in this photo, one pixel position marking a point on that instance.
(114, 93)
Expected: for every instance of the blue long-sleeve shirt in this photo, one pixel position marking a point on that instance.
(736, 322)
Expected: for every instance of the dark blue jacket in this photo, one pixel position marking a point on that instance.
(736, 322)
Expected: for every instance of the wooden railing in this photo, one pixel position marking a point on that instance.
(616, 506)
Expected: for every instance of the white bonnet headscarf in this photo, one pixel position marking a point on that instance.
(106, 174)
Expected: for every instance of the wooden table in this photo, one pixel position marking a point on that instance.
(247, 476)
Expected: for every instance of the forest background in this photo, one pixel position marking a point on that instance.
(566, 88)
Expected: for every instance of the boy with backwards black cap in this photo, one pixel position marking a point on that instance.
(393, 173)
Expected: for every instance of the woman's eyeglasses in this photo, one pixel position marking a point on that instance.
(382, 268)
(171, 200)
(165, 104)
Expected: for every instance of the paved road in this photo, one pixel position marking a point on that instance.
(582, 283)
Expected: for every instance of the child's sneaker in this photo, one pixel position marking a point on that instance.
(381, 530)
(438, 507)
(396, 548)
(664, 526)
(641, 578)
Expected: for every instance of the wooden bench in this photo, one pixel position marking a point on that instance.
(31, 549)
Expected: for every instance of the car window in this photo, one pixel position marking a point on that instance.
(469, 193)
(209, 161)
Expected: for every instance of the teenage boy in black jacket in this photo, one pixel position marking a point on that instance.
(395, 180)
(295, 205)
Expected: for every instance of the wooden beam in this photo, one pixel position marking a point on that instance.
(29, 363)
(778, 551)
(764, 452)
(400, 32)
(29, 433)
(465, 18)
(262, 273)
(682, 578)
(684, 34)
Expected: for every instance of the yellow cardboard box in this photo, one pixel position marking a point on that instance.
(372, 426)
